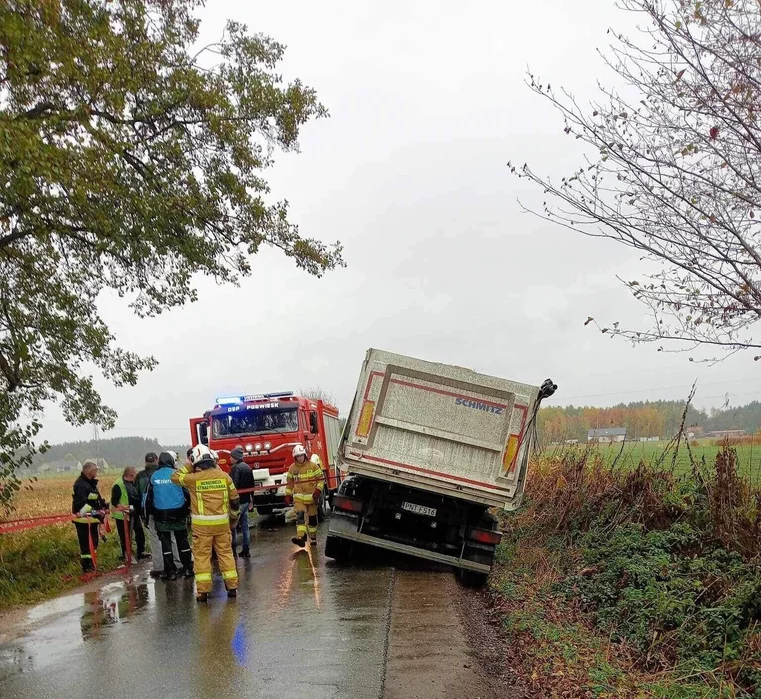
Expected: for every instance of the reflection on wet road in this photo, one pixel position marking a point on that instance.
(300, 626)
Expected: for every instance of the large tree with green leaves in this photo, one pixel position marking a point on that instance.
(131, 159)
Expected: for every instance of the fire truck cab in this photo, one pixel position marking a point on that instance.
(267, 426)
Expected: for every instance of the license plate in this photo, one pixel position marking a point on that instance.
(419, 509)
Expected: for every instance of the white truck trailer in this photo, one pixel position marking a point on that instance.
(427, 450)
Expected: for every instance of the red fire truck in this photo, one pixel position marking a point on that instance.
(268, 426)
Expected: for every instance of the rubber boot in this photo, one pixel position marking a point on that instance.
(202, 597)
(300, 541)
(245, 553)
(313, 542)
(232, 594)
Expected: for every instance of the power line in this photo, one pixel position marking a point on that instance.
(655, 388)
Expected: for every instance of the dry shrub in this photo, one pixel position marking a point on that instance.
(563, 487)
(576, 490)
(734, 505)
(739, 441)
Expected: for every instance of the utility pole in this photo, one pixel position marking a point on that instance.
(96, 440)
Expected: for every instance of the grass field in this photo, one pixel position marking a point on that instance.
(748, 456)
(39, 563)
(52, 494)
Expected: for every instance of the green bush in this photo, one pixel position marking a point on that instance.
(677, 598)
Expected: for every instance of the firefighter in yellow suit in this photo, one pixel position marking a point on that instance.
(305, 482)
(214, 509)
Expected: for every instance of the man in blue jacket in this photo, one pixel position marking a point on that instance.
(168, 504)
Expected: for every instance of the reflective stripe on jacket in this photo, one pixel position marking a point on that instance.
(303, 480)
(85, 498)
(213, 498)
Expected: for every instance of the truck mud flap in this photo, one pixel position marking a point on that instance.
(346, 528)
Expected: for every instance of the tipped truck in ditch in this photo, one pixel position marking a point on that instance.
(428, 449)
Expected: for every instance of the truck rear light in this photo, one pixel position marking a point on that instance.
(341, 502)
(485, 536)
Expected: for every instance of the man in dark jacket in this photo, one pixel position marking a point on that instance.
(143, 479)
(243, 479)
(167, 505)
(125, 509)
(88, 508)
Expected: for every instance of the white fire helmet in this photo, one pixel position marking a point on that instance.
(316, 460)
(299, 450)
(201, 453)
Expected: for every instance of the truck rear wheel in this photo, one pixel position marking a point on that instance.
(337, 548)
(472, 578)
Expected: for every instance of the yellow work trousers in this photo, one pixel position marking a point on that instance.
(219, 538)
(306, 519)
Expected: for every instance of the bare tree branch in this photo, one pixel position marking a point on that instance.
(673, 168)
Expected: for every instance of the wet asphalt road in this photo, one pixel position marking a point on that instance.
(302, 626)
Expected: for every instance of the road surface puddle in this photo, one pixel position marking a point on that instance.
(54, 634)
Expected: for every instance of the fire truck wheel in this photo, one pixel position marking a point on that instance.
(323, 509)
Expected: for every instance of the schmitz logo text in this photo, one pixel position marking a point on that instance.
(497, 410)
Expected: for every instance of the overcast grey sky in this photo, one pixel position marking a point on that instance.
(427, 103)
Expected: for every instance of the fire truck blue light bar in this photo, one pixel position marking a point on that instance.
(229, 400)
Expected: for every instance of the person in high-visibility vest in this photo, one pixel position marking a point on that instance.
(214, 511)
(125, 500)
(305, 481)
(87, 506)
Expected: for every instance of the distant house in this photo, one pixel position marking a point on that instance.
(607, 435)
(62, 465)
(725, 434)
(71, 465)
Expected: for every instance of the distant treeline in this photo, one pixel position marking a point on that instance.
(643, 419)
(118, 451)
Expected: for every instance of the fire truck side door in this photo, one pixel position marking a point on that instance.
(199, 430)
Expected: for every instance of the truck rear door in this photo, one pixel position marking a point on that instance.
(442, 428)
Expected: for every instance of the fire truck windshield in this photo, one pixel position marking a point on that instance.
(255, 421)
